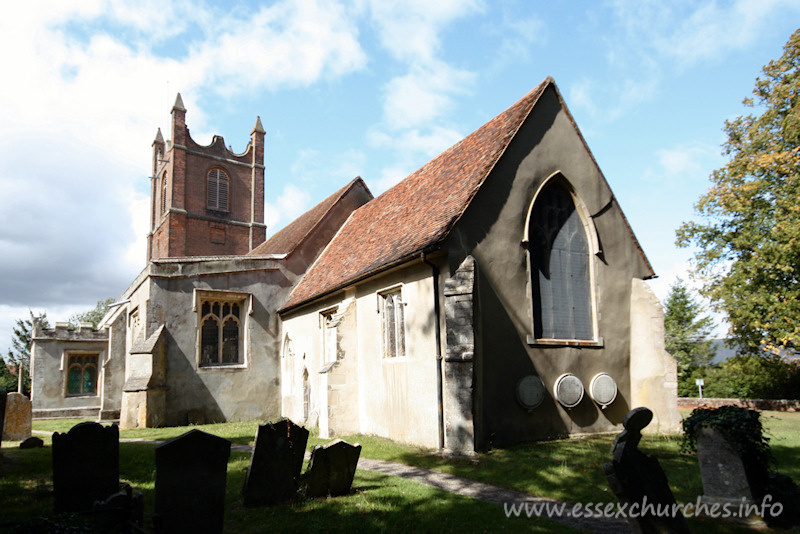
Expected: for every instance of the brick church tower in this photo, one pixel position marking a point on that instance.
(205, 200)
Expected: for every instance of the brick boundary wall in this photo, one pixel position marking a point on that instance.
(752, 404)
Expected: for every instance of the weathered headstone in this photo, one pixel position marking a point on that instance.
(32, 443)
(85, 466)
(331, 469)
(191, 472)
(2, 415)
(637, 478)
(18, 417)
(721, 468)
(274, 472)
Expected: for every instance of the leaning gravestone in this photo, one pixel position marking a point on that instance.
(85, 466)
(637, 478)
(18, 417)
(721, 468)
(191, 472)
(331, 469)
(274, 472)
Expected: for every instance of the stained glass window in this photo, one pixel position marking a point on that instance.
(82, 374)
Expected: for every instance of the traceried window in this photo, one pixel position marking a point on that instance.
(221, 329)
(392, 324)
(217, 190)
(560, 267)
(82, 374)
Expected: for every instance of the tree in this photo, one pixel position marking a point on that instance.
(8, 382)
(20, 353)
(686, 336)
(748, 241)
(94, 316)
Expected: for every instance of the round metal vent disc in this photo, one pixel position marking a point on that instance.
(569, 390)
(530, 392)
(603, 389)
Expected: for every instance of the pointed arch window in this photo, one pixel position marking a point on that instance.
(560, 267)
(217, 190)
(164, 193)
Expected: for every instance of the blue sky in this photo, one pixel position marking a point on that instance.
(344, 87)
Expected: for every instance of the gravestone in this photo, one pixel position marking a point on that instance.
(637, 478)
(2, 415)
(331, 469)
(32, 443)
(85, 466)
(721, 468)
(191, 472)
(274, 472)
(18, 417)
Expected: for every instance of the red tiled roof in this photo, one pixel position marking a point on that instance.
(290, 236)
(415, 214)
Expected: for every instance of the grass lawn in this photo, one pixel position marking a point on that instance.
(569, 470)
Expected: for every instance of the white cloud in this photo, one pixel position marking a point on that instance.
(690, 32)
(423, 95)
(292, 202)
(88, 92)
(410, 30)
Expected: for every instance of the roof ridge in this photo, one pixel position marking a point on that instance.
(419, 211)
(331, 200)
(539, 90)
(341, 193)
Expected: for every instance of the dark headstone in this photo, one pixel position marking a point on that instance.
(331, 469)
(191, 472)
(274, 472)
(2, 414)
(85, 466)
(32, 443)
(637, 478)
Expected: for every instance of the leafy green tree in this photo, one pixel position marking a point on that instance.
(8, 382)
(748, 239)
(20, 353)
(753, 376)
(687, 336)
(94, 316)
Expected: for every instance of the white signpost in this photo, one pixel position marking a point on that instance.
(700, 383)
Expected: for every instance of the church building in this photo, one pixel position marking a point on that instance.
(494, 296)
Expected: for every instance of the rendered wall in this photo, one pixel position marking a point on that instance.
(654, 372)
(492, 231)
(396, 397)
(49, 372)
(221, 393)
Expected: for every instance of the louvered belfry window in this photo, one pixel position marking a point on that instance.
(164, 193)
(560, 268)
(218, 187)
